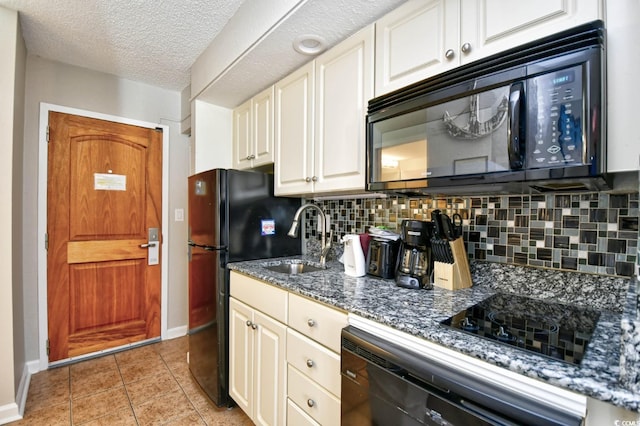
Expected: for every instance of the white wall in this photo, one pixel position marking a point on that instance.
(76, 87)
(12, 355)
(211, 136)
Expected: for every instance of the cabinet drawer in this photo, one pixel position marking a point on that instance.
(317, 321)
(297, 417)
(314, 360)
(314, 400)
(260, 295)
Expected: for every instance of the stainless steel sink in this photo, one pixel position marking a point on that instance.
(293, 268)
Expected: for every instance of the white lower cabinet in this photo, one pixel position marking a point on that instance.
(284, 355)
(297, 416)
(313, 355)
(257, 348)
(313, 399)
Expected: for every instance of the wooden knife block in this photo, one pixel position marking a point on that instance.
(456, 275)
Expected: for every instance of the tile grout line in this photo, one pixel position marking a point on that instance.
(182, 389)
(135, 417)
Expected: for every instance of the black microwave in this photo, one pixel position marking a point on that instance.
(533, 116)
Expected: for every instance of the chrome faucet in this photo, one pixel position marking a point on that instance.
(326, 246)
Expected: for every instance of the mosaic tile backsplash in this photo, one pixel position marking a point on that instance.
(585, 232)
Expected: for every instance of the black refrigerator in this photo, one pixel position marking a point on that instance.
(233, 216)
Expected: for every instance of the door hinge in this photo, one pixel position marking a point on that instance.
(46, 241)
(48, 133)
(48, 347)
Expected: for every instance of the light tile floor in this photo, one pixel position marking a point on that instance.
(149, 385)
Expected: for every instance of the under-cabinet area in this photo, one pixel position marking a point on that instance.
(284, 361)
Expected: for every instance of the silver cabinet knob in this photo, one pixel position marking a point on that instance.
(307, 179)
(311, 322)
(248, 323)
(309, 363)
(311, 402)
(466, 48)
(449, 54)
(314, 179)
(254, 326)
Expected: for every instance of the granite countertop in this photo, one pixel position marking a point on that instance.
(419, 313)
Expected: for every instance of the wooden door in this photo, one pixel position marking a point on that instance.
(104, 193)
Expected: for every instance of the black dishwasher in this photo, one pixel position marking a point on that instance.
(385, 384)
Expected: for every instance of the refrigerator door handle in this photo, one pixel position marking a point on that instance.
(206, 247)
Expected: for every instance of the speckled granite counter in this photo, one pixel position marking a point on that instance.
(419, 313)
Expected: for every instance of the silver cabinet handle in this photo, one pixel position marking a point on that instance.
(311, 322)
(248, 323)
(449, 54)
(466, 48)
(254, 326)
(314, 179)
(309, 363)
(307, 179)
(147, 245)
(311, 402)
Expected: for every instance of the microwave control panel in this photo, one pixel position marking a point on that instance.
(555, 119)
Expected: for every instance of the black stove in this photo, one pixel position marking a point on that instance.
(554, 330)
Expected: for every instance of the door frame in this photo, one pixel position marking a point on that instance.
(43, 156)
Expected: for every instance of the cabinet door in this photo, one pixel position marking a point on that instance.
(623, 33)
(270, 371)
(412, 43)
(294, 97)
(241, 338)
(242, 136)
(262, 116)
(492, 26)
(344, 85)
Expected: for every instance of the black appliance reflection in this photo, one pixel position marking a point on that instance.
(555, 330)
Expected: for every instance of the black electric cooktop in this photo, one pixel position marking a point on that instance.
(554, 330)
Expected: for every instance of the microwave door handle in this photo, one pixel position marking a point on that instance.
(517, 114)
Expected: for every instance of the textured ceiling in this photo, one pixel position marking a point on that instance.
(153, 41)
(157, 41)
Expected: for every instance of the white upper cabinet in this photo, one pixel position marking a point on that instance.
(253, 131)
(623, 63)
(423, 38)
(293, 167)
(344, 85)
(320, 114)
(492, 26)
(411, 42)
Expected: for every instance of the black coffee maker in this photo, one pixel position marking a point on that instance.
(414, 261)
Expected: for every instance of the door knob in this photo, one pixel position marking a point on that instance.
(449, 54)
(309, 363)
(147, 245)
(466, 48)
(311, 322)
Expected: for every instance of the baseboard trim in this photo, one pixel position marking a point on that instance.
(9, 413)
(173, 333)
